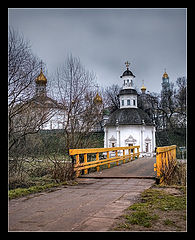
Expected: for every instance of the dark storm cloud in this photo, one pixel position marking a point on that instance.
(151, 39)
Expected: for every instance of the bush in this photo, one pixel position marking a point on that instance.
(178, 176)
(62, 171)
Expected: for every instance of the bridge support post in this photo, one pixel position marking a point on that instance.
(133, 153)
(116, 154)
(85, 161)
(77, 163)
(123, 155)
(97, 159)
(108, 157)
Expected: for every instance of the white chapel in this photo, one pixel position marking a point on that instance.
(130, 125)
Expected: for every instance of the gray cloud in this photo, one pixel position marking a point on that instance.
(151, 39)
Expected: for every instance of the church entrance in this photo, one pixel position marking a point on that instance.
(147, 147)
(131, 144)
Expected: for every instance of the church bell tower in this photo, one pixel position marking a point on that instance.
(128, 94)
(165, 81)
(41, 82)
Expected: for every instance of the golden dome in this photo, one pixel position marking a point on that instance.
(97, 99)
(143, 87)
(165, 75)
(41, 78)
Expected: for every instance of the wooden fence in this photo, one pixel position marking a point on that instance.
(109, 155)
(165, 162)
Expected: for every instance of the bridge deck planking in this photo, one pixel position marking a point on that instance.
(139, 168)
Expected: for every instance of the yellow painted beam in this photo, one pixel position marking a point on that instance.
(104, 160)
(98, 162)
(165, 159)
(85, 161)
(96, 150)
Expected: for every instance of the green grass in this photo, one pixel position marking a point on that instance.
(21, 192)
(155, 198)
(152, 201)
(169, 222)
(143, 218)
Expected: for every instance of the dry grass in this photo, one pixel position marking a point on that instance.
(159, 209)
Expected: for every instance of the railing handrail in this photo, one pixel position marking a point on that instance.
(98, 150)
(98, 162)
(165, 161)
(165, 148)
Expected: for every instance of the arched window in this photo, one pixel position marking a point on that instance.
(148, 144)
(112, 141)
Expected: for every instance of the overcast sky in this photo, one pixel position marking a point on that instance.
(150, 39)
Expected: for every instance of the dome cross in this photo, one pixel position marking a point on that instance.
(127, 64)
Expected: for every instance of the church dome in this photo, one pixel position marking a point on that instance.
(165, 75)
(97, 99)
(127, 91)
(129, 116)
(143, 88)
(41, 78)
(127, 73)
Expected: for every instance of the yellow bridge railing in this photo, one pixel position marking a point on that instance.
(165, 162)
(123, 154)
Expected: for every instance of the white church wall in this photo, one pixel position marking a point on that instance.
(149, 144)
(125, 135)
(128, 82)
(130, 131)
(128, 101)
(111, 133)
(56, 121)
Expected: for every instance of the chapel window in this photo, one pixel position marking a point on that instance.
(131, 144)
(147, 147)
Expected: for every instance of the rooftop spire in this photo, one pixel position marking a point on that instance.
(97, 99)
(41, 77)
(165, 75)
(41, 65)
(143, 88)
(127, 64)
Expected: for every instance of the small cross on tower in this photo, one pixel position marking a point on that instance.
(41, 65)
(127, 64)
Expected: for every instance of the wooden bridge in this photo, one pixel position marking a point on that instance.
(92, 204)
(128, 162)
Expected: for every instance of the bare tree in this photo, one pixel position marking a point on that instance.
(23, 67)
(167, 105)
(75, 88)
(111, 97)
(181, 101)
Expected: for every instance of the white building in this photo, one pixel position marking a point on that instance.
(57, 115)
(129, 125)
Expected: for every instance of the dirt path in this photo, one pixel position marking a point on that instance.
(92, 205)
